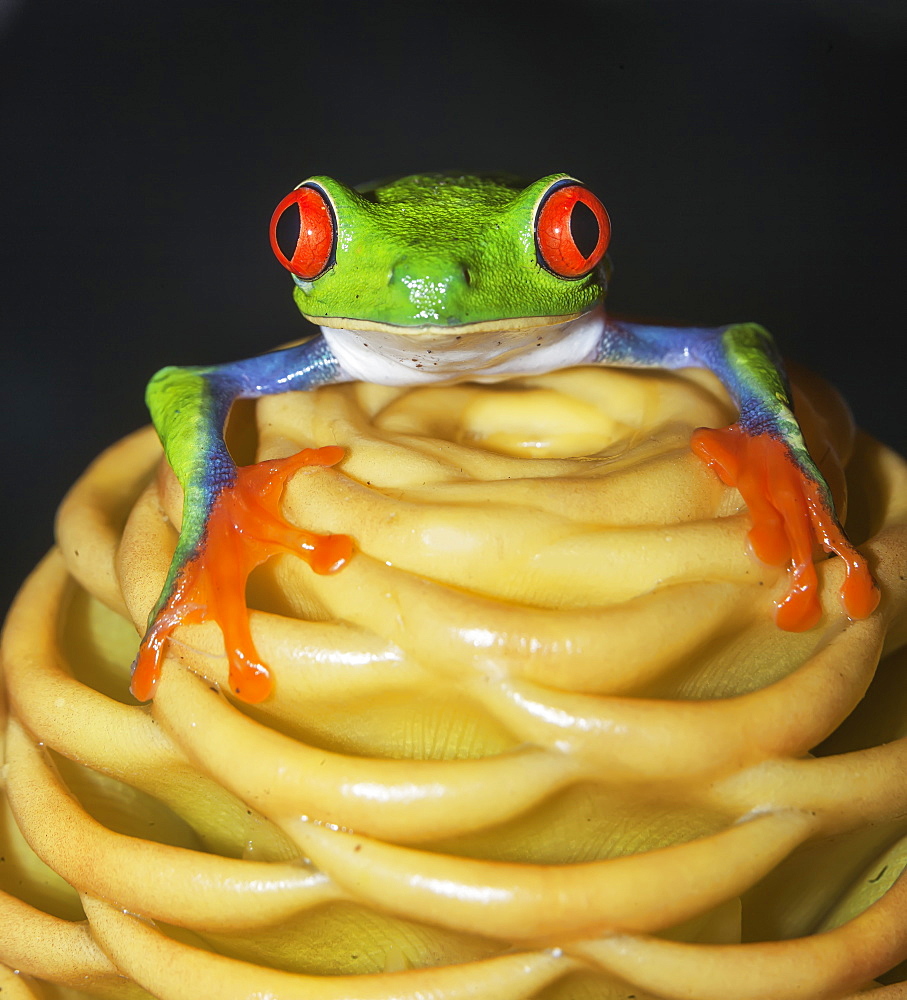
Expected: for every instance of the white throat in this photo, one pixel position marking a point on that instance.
(390, 358)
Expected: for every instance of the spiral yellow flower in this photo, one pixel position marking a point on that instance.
(540, 739)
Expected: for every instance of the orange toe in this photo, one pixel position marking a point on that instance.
(244, 528)
(789, 516)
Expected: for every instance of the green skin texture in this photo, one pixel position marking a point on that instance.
(431, 254)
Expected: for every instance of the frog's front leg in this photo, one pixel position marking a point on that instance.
(763, 455)
(231, 518)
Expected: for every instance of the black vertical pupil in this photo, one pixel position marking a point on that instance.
(584, 228)
(288, 230)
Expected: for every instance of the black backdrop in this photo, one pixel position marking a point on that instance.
(747, 150)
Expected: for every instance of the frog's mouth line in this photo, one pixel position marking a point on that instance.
(517, 324)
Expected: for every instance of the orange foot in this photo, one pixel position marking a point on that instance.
(788, 514)
(244, 528)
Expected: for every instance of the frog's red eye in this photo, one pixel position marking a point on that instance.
(315, 234)
(572, 230)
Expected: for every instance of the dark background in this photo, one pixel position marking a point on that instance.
(748, 153)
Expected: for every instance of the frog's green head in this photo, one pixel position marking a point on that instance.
(434, 251)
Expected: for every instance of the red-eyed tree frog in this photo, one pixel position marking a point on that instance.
(446, 277)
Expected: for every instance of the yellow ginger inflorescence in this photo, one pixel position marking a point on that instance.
(539, 739)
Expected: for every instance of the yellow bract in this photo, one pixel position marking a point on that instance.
(540, 739)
